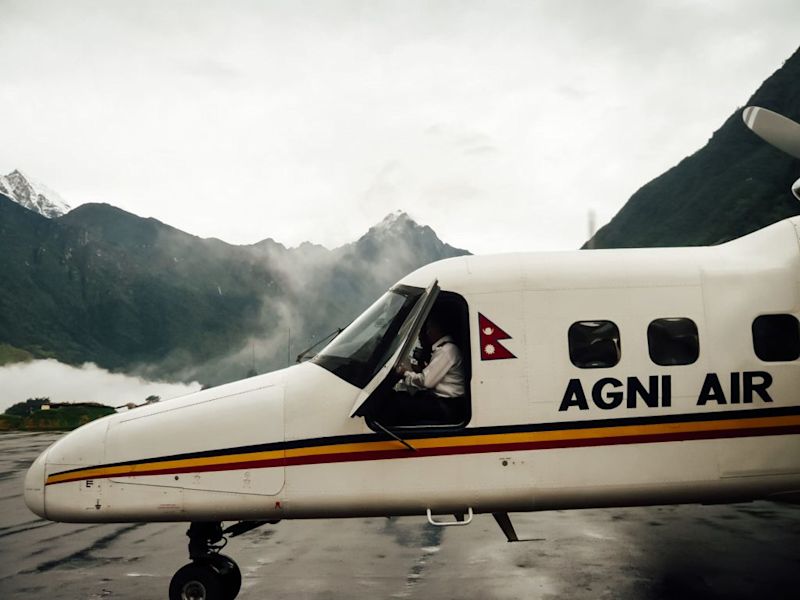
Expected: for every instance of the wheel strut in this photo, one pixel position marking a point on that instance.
(203, 539)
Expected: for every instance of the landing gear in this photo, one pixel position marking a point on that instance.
(196, 581)
(210, 575)
(229, 574)
(218, 577)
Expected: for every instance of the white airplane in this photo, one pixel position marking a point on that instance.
(595, 379)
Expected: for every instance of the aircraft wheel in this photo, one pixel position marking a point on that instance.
(196, 582)
(230, 575)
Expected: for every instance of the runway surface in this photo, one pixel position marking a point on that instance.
(739, 551)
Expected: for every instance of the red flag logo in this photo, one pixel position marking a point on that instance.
(491, 334)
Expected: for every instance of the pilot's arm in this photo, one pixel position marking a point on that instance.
(441, 362)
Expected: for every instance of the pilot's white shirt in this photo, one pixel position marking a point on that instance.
(444, 373)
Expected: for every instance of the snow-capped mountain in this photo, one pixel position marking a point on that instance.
(33, 196)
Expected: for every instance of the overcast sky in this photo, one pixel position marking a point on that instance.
(500, 124)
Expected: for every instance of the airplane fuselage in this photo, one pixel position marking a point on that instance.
(552, 422)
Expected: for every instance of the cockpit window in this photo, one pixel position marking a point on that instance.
(360, 351)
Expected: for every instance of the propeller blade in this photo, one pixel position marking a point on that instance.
(781, 132)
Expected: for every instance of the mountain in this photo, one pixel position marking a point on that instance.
(736, 184)
(31, 195)
(132, 294)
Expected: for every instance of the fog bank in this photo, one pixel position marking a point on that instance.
(88, 383)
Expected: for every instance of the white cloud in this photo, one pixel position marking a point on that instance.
(88, 383)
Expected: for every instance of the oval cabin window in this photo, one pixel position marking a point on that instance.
(594, 344)
(673, 341)
(776, 338)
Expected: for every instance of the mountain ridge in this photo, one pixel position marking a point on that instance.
(133, 294)
(734, 185)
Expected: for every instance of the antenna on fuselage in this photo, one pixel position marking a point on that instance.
(592, 221)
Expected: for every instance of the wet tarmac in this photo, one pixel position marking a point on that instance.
(739, 551)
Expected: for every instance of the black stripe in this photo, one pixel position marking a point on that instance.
(468, 431)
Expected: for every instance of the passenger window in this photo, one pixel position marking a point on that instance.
(673, 341)
(594, 344)
(776, 337)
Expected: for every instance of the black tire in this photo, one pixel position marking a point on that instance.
(196, 582)
(230, 575)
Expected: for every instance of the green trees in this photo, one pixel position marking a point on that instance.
(30, 406)
(734, 185)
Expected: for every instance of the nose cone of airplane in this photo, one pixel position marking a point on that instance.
(34, 486)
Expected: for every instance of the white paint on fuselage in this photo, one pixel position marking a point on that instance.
(535, 298)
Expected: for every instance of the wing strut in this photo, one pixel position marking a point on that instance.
(506, 525)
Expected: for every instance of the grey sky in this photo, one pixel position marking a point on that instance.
(500, 124)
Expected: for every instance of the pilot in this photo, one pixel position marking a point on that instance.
(424, 394)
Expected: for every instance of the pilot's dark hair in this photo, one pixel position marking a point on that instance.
(440, 316)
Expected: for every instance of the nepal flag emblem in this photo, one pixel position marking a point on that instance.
(490, 336)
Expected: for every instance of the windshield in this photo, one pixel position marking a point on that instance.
(361, 350)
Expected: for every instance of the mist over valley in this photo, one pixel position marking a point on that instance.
(134, 295)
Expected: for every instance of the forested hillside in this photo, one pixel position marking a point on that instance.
(133, 294)
(735, 184)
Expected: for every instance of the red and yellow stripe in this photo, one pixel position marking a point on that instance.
(580, 435)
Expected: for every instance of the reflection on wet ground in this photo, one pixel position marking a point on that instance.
(739, 552)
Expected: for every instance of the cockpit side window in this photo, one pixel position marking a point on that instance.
(360, 351)
(407, 404)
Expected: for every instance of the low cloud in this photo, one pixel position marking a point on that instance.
(88, 383)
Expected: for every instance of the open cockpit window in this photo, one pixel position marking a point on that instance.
(359, 352)
(403, 341)
(429, 387)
